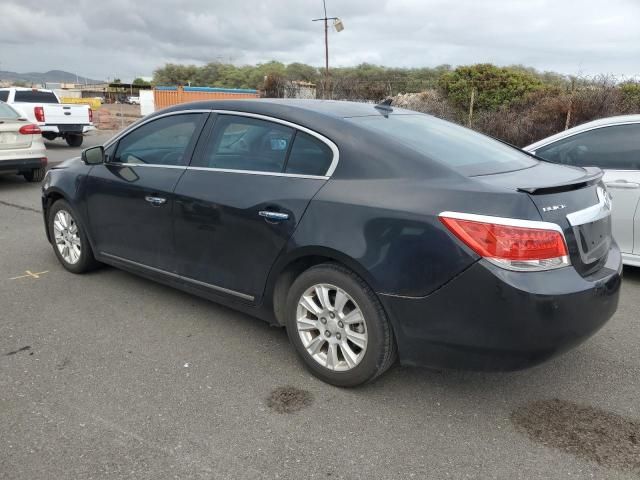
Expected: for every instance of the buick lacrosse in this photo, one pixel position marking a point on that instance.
(370, 232)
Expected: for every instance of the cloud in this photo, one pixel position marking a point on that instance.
(120, 38)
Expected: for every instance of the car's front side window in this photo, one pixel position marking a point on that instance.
(616, 148)
(163, 141)
(245, 143)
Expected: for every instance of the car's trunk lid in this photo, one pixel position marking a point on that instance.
(575, 199)
(10, 136)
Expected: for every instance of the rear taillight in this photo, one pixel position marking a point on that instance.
(39, 113)
(513, 244)
(90, 115)
(30, 130)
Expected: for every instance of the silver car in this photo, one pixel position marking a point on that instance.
(22, 150)
(613, 144)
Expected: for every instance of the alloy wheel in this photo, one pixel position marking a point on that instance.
(332, 327)
(67, 237)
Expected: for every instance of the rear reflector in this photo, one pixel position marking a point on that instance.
(39, 113)
(90, 115)
(513, 244)
(30, 130)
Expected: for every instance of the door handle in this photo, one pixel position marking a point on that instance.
(155, 201)
(273, 216)
(623, 184)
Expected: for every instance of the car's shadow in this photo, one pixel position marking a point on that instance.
(560, 375)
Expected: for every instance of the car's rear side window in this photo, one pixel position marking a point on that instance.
(616, 147)
(4, 95)
(35, 96)
(245, 143)
(7, 112)
(468, 152)
(309, 156)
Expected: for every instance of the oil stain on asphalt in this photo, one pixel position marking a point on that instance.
(590, 433)
(23, 349)
(289, 399)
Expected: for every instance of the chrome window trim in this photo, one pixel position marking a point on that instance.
(258, 172)
(147, 165)
(322, 138)
(144, 121)
(180, 277)
(590, 129)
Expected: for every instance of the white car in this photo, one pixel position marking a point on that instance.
(55, 119)
(22, 149)
(133, 100)
(613, 144)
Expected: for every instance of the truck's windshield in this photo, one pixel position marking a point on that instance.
(35, 96)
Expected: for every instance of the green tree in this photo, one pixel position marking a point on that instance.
(494, 86)
(139, 81)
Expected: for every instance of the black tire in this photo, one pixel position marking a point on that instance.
(74, 140)
(35, 175)
(380, 351)
(49, 136)
(86, 261)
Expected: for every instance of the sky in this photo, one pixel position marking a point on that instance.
(129, 38)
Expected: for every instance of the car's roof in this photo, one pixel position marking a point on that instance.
(22, 89)
(330, 108)
(602, 122)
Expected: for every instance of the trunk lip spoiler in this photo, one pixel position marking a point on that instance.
(592, 176)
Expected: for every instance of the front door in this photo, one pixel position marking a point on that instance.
(130, 197)
(240, 201)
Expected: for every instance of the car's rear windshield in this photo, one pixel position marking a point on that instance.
(35, 96)
(462, 149)
(7, 112)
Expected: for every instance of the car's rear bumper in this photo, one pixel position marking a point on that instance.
(488, 318)
(22, 164)
(62, 129)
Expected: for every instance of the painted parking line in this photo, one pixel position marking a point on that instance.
(30, 274)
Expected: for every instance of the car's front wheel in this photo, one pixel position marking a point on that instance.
(338, 326)
(69, 240)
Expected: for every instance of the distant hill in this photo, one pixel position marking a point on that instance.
(59, 76)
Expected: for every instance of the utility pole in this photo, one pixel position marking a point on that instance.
(326, 19)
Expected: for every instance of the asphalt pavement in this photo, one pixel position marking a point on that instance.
(108, 375)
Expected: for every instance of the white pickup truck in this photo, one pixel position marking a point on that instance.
(55, 119)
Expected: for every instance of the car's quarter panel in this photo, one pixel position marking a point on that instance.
(391, 227)
(221, 238)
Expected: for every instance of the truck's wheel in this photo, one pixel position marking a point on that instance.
(35, 175)
(74, 140)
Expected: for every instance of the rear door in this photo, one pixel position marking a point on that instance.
(130, 198)
(238, 203)
(615, 149)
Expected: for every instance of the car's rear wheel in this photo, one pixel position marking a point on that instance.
(338, 326)
(35, 175)
(74, 140)
(69, 240)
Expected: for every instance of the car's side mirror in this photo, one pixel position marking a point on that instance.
(93, 155)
